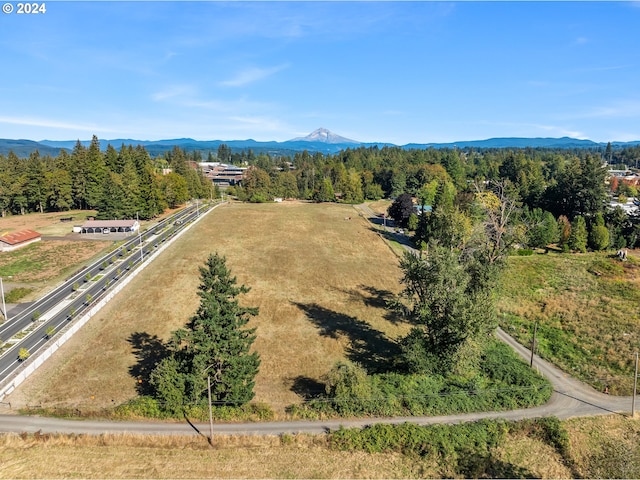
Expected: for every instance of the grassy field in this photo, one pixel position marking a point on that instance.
(587, 309)
(319, 280)
(31, 271)
(602, 447)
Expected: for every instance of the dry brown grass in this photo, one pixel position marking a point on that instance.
(44, 223)
(317, 278)
(178, 457)
(380, 206)
(289, 456)
(46, 260)
(43, 264)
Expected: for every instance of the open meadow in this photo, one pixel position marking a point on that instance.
(587, 309)
(318, 273)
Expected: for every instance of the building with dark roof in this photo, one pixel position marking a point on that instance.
(110, 226)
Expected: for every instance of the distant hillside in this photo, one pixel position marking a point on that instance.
(24, 148)
(515, 142)
(320, 140)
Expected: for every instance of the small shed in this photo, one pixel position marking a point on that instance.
(15, 240)
(110, 226)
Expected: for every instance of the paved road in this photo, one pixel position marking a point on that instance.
(386, 228)
(570, 398)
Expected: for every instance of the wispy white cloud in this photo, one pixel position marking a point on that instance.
(41, 122)
(618, 109)
(173, 91)
(252, 75)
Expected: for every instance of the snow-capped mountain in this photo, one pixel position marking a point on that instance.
(323, 135)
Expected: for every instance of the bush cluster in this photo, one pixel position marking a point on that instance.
(466, 449)
(503, 382)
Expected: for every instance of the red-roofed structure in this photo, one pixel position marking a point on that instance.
(13, 241)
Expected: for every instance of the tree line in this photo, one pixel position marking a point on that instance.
(118, 183)
(562, 183)
(569, 186)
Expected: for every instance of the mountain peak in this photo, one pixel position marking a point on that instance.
(323, 135)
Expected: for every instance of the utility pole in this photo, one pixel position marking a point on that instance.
(140, 239)
(4, 306)
(210, 411)
(533, 343)
(635, 384)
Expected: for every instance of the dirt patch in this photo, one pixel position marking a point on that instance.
(45, 223)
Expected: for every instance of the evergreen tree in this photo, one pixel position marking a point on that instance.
(214, 343)
(542, 228)
(325, 192)
(224, 153)
(96, 173)
(59, 194)
(599, 235)
(112, 200)
(578, 237)
(36, 188)
(79, 175)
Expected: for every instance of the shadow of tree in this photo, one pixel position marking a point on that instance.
(396, 237)
(149, 350)
(376, 298)
(306, 387)
(368, 346)
(474, 465)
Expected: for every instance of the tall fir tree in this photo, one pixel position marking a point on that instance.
(214, 343)
(96, 173)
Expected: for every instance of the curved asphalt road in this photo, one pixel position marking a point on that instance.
(570, 398)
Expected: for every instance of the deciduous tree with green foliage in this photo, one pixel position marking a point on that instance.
(451, 307)
(214, 343)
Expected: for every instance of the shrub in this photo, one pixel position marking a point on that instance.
(453, 445)
(503, 382)
(17, 294)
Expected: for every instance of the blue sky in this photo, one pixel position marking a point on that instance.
(395, 72)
